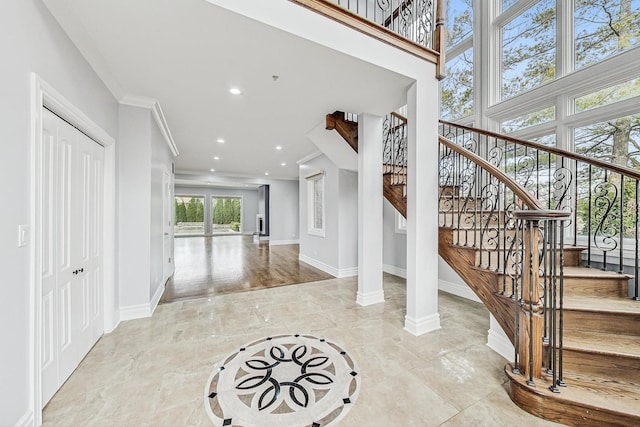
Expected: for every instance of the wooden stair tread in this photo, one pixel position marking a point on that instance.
(617, 345)
(601, 304)
(592, 272)
(598, 399)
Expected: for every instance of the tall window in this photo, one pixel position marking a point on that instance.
(189, 214)
(604, 27)
(529, 49)
(226, 213)
(457, 91)
(315, 204)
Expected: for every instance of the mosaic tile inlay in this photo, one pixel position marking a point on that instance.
(283, 380)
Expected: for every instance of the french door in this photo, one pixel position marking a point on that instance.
(71, 182)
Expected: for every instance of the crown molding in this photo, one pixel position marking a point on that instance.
(156, 110)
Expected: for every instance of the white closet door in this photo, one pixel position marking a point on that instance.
(71, 188)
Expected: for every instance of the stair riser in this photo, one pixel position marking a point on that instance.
(468, 220)
(615, 367)
(492, 238)
(456, 204)
(612, 323)
(571, 258)
(612, 287)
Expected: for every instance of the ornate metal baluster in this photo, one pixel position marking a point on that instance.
(590, 202)
(561, 382)
(621, 269)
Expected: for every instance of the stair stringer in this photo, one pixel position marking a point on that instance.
(484, 283)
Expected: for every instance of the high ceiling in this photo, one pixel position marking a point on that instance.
(187, 54)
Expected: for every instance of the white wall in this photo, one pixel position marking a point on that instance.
(347, 219)
(394, 256)
(336, 252)
(283, 211)
(161, 159)
(249, 203)
(31, 41)
(134, 177)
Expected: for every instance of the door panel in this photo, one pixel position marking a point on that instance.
(71, 204)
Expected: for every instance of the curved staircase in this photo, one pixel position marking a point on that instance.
(575, 330)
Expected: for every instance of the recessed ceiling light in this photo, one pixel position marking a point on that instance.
(212, 170)
(235, 91)
(216, 158)
(278, 147)
(283, 164)
(220, 141)
(266, 173)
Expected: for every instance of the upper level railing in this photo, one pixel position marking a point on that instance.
(602, 197)
(416, 26)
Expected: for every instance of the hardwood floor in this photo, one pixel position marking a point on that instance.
(217, 265)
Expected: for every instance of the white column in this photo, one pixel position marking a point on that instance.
(370, 233)
(422, 210)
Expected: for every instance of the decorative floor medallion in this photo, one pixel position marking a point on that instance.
(284, 380)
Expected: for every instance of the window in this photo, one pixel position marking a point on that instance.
(459, 21)
(604, 28)
(189, 216)
(315, 204)
(608, 95)
(530, 119)
(457, 88)
(226, 215)
(616, 141)
(529, 49)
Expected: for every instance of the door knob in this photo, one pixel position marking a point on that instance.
(75, 272)
(81, 270)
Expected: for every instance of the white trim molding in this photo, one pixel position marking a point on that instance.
(140, 311)
(417, 327)
(283, 242)
(396, 271)
(319, 265)
(347, 272)
(458, 289)
(370, 298)
(498, 342)
(26, 420)
(158, 115)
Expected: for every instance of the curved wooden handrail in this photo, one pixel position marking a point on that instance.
(535, 209)
(628, 172)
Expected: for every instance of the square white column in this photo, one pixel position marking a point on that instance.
(422, 208)
(370, 231)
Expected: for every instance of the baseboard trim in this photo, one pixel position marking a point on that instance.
(347, 272)
(27, 420)
(370, 298)
(319, 265)
(500, 344)
(156, 298)
(417, 327)
(458, 289)
(396, 271)
(132, 312)
(284, 242)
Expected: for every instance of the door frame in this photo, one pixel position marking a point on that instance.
(43, 94)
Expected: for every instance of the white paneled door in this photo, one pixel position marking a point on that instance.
(71, 173)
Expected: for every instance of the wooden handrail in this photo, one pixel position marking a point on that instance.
(366, 26)
(558, 151)
(535, 208)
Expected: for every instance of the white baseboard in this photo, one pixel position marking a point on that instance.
(396, 271)
(458, 289)
(319, 265)
(283, 242)
(27, 420)
(369, 298)
(156, 298)
(421, 326)
(498, 342)
(347, 272)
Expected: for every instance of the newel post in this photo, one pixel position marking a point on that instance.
(531, 310)
(439, 39)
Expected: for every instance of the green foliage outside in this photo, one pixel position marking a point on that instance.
(192, 211)
(226, 211)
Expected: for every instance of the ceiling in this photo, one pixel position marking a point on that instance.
(187, 54)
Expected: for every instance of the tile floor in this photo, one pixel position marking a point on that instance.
(154, 371)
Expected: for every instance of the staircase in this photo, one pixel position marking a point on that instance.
(564, 305)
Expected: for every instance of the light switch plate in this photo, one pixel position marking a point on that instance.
(23, 235)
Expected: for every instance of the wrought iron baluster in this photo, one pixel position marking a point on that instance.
(636, 296)
(561, 382)
(621, 269)
(575, 206)
(590, 202)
